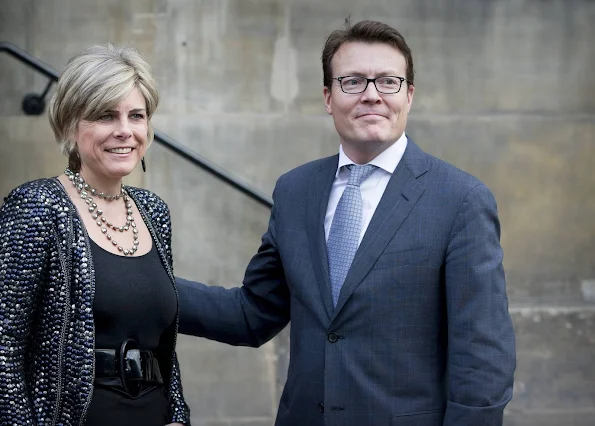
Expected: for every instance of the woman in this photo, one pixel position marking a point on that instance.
(88, 306)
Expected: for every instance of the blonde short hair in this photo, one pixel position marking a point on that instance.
(94, 81)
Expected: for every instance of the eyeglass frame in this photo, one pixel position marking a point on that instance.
(368, 80)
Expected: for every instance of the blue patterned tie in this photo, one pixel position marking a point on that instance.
(343, 238)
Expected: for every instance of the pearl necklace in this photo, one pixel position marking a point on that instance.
(84, 189)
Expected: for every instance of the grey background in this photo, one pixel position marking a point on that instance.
(504, 90)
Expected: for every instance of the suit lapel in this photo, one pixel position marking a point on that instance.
(318, 195)
(399, 198)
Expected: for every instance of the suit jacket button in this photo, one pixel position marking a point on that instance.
(332, 337)
(321, 407)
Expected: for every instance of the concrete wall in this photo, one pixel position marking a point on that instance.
(504, 90)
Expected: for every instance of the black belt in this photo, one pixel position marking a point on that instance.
(134, 367)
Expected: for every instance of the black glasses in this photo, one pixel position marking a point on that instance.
(386, 84)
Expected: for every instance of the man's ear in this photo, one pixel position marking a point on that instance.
(326, 92)
(410, 90)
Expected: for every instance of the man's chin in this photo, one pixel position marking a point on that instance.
(373, 141)
(363, 150)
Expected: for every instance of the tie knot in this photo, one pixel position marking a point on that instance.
(359, 173)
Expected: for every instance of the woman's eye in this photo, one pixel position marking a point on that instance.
(138, 116)
(105, 117)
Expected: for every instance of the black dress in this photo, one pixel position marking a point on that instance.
(134, 299)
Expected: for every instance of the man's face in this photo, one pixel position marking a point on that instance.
(368, 122)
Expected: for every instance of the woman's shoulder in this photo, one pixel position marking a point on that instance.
(148, 199)
(155, 208)
(40, 199)
(44, 192)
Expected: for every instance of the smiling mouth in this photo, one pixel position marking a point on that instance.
(371, 115)
(120, 150)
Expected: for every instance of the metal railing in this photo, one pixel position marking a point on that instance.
(34, 104)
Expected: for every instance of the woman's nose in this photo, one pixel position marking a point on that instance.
(123, 130)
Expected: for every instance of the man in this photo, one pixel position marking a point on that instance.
(386, 261)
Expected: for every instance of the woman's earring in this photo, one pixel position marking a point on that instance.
(142, 163)
(74, 160)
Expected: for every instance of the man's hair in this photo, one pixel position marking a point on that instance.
(367, 32)
(94, 81)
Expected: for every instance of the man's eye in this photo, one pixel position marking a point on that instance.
(352, 81)
(388, 81)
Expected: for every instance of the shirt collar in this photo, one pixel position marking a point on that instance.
(387, 160)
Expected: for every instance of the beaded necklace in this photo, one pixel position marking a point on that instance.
(85, 191)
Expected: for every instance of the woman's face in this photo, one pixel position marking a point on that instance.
(111, 146)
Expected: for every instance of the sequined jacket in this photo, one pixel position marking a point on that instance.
(47, 286)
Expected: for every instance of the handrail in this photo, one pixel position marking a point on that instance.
(32, 61)
(160, 138)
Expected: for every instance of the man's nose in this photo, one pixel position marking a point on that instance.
(370, 94)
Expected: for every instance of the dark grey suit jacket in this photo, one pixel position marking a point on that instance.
(421, 335)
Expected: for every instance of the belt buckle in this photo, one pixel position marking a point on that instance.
(131, 371)
(147, 360)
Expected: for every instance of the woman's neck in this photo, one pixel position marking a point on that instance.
(101, 183)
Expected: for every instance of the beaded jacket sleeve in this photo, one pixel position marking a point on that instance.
(26, 236)
(46, 306)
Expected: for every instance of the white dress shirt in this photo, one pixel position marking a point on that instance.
(371, 189)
